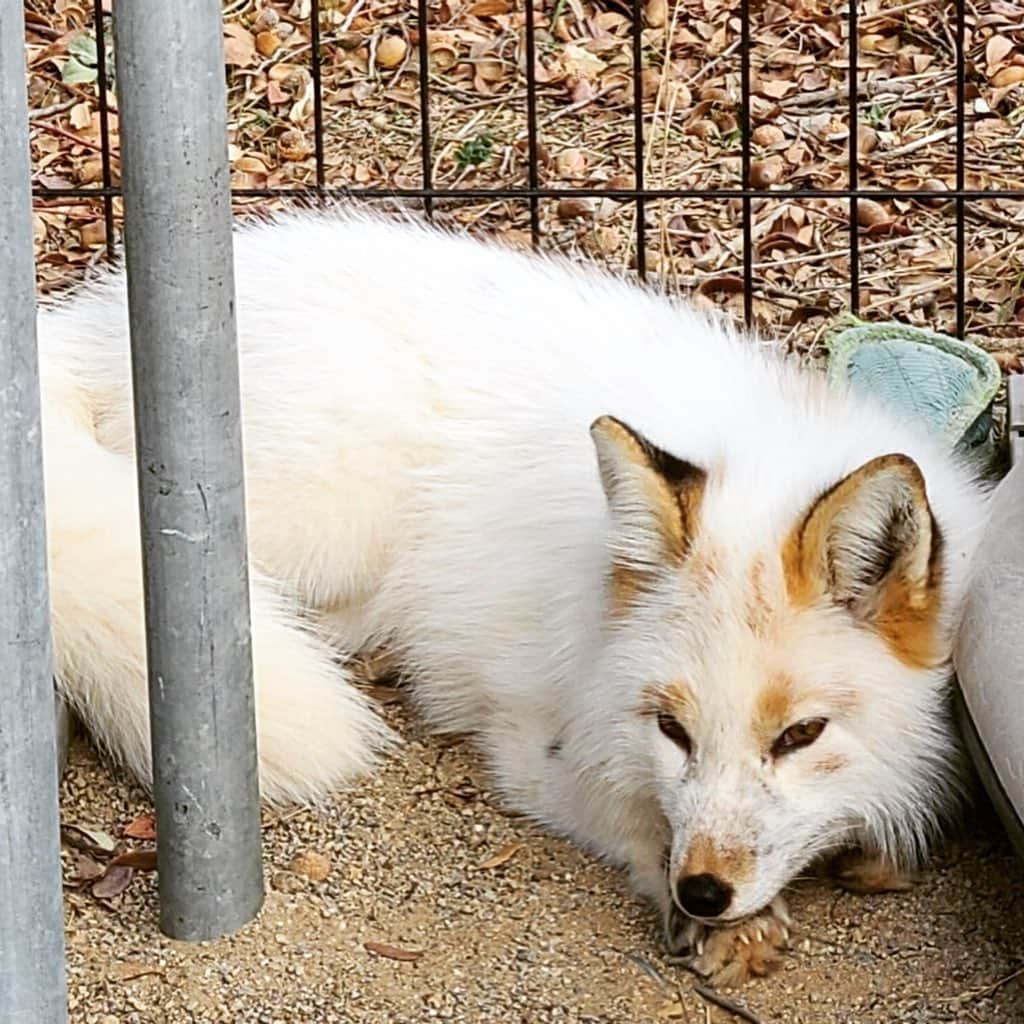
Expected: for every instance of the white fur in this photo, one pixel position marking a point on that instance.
(420, 473)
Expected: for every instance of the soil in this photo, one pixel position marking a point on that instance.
(499, 922)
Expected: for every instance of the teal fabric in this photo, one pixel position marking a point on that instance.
(946, 384)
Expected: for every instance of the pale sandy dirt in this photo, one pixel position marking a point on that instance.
(549, 935)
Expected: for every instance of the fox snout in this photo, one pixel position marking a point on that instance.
(703, 895)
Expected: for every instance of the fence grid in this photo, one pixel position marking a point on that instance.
(533, 192)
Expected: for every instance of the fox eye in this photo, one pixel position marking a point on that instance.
(671, 727)
(800, 734)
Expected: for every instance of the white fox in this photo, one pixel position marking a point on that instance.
(695, 606)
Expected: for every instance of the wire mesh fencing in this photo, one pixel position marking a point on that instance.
(787, 160)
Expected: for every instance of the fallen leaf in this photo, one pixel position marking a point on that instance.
(569, 209)
(583, 63)
(767, 135)
(1008, 76)
(267, 42)
(777, 88)
(140, 860)
(86, 868)
(91, 840)
(293, 145)
(726, 284)
(93, 233)
(143, 827)
(392, 952)
(765, 173)
(239, 45)
(571, 163)
(114, 882)
(506, 853)
(80, 115)
(997, 50)
(871, 213)
(1009, 362)
(489, 8)
(656, 13)
(391, 51)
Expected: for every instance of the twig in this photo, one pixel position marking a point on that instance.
(647, 967)
(142, 974)
(866, 90)
(726, 1004)
(911, 147)
(811, 257)
(977, 993)
(54, 130)
(283, 819)
(55, 108)
(906, 293)
(570, 109)
(890, 12)
(351, 16)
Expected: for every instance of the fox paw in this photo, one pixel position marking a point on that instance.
(866, 873)
(731, 955)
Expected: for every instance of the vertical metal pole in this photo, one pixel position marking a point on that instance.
(173, 118)
(32, 984)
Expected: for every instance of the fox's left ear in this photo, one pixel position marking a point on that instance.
(871, 544)
(653, 497)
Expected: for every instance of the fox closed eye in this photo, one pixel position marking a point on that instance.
(799, 735)
(671, 727)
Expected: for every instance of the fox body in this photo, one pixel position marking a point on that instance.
(695, 606)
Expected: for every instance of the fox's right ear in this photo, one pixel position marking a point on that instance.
(653, 497)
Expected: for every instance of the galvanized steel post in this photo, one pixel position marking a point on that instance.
(174, 169)
(32, 985)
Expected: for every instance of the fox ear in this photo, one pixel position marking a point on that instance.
(871, 544)
(653, 497)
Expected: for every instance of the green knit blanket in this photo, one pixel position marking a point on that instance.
(946, 384)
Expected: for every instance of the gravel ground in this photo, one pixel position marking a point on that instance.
(499, 922)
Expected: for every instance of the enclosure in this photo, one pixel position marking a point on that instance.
(742, 154)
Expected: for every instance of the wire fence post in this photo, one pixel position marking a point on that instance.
(32, 983)
(173, 122)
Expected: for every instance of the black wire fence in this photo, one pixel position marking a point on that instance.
(733, 180)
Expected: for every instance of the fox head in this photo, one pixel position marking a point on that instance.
(785, 683)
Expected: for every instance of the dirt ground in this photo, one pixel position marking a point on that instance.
(497, 922)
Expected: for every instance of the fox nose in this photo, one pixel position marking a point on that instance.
(703, 895)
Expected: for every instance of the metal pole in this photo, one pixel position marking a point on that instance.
(32, 984)
(174, 166)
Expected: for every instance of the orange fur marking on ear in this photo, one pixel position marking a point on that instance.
(673, 491)
(626, 583)
(911, 628)
(907, 600)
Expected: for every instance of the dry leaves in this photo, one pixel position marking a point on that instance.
(690, 92)
(143, 827)
(104, 866)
